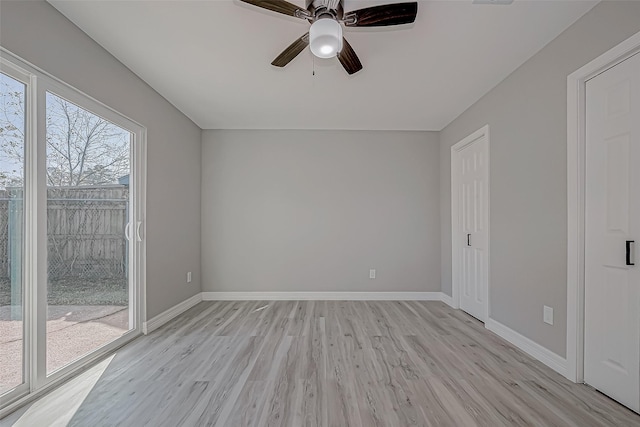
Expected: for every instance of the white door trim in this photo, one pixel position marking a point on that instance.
(455, 234)
(576, 143)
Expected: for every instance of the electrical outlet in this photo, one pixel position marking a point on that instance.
(189, 277)
(372, 274)
(547, 315)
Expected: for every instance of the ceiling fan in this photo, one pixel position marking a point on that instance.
(327, 17)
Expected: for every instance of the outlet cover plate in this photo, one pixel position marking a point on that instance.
(548, 315)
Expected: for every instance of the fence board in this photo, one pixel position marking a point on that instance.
(85, 228)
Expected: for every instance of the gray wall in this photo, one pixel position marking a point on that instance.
(528, 125)
(315, 210)
(38, 33)
(287, 209)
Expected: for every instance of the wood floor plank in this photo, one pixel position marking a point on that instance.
(325, 364)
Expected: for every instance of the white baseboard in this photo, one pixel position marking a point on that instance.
(447, 300)
(322, 296)
(532, 348)
(162, 318)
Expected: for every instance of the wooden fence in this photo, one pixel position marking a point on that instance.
(4, 234)
(85, 230)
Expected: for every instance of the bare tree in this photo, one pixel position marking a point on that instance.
(82, 148)
(11, 133)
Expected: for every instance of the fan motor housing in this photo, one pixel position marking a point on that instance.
(317, 7)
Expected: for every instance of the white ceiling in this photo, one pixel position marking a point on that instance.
(211, 59)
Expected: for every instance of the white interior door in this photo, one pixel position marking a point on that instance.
(470, 215)
(612, 225)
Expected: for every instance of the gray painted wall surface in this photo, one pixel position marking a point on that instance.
(269, 202)
(38, 33)
(527, 115)
(315, 210)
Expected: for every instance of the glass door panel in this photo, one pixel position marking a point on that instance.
(88, 212)
(12, 226)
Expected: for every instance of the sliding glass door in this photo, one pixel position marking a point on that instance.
(72, 183)
(88, 173)
(13, 99)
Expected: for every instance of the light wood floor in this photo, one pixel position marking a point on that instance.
(317, 363)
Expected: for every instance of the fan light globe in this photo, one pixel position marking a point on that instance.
(325, 38)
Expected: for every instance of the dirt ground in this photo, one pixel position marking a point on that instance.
(77, 291)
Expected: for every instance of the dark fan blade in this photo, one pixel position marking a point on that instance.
(280, 6)
(349, 59)
(292, 51)
(381, 16)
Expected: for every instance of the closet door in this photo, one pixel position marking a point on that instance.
(612, 231)
(470, 220)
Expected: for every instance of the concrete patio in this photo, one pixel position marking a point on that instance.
(72, 331)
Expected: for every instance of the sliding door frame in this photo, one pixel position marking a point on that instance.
(36, 380)
(28, 258)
